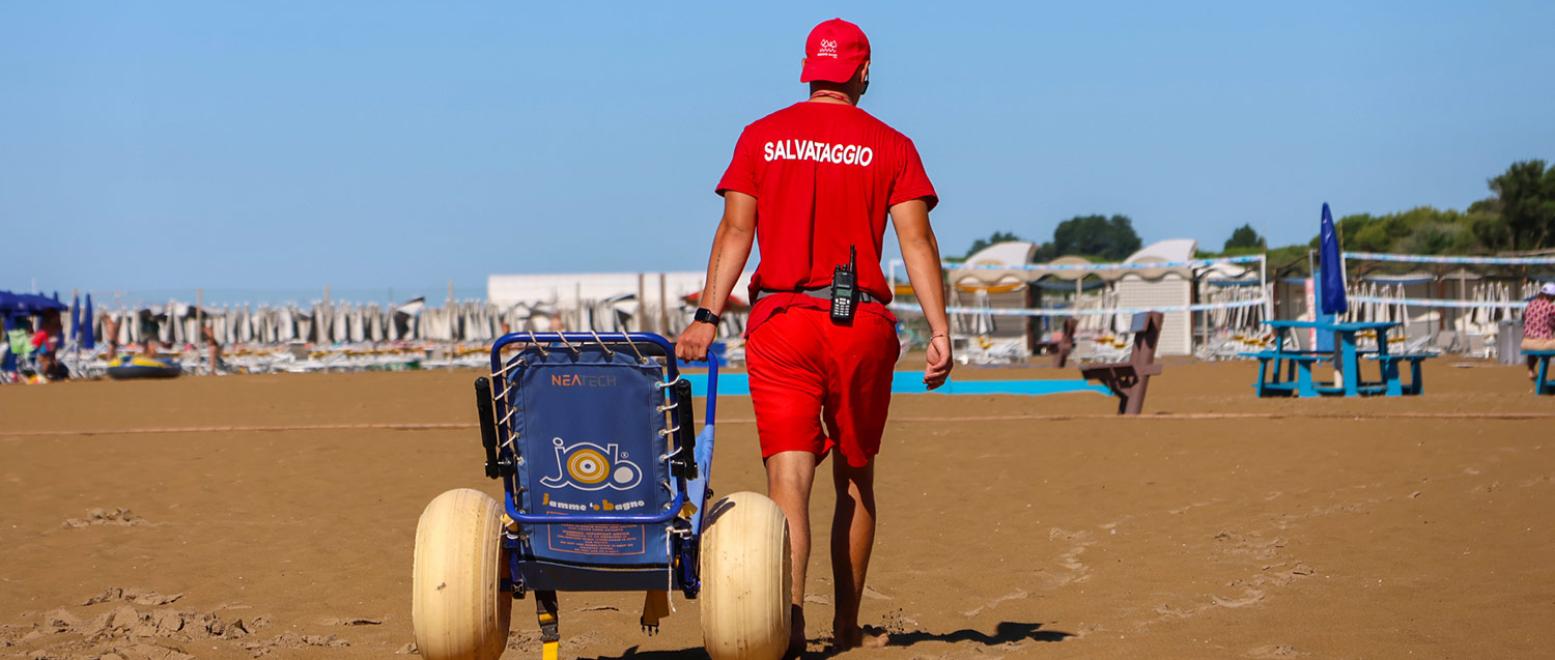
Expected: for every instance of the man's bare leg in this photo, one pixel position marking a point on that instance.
(789, 477)
(852, 540)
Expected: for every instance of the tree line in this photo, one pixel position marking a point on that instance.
(1518, 216)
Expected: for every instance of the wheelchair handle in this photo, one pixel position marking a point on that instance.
(666, 347)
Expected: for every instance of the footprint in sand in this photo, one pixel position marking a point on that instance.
(1018, 594)
(1249, 597)
(1274, 651)
(114, 517)
(1184, 509)
(1073, 569)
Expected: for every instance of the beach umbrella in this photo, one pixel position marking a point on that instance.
(87, 335)
(75, 317)
(1331, 267)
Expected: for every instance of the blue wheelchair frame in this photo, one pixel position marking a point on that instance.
(688, 454)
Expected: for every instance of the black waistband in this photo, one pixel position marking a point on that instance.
(823, 293)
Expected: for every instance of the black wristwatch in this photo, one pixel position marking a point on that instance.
(705, 315)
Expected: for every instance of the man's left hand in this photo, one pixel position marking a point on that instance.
(694, 340)
(937, 361)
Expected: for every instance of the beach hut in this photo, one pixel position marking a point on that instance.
(1168, 286)
(994, 278)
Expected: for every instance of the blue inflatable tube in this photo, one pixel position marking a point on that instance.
(138, 367)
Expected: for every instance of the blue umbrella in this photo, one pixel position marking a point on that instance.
(27, 303)
(1331, 267)
(87, 335)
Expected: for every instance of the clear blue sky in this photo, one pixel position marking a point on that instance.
(368, 145)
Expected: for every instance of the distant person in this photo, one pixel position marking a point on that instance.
(813, 184)
(1539, 324)
(111, 335)
(209, 334)
(150, 331)
(45, 347)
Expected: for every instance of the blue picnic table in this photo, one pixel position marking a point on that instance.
(1291, 372)
(1541, 382)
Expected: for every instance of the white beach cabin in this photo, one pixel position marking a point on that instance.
(1163, 287)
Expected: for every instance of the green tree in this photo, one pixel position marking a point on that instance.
(1486, 227)
(1525, 195)
(1244, 238)
(1111, 238)
(1421, 230)
(995, 239)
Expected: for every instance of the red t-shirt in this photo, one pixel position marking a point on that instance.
(824, 176)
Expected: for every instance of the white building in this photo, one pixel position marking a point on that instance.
(569, 289)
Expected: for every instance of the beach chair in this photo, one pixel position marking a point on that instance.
(605, 488)
(1065, 343)
(1128, 380)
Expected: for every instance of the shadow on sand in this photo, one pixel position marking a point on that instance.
(1006, 632)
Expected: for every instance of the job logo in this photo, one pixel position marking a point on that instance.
(587, 466)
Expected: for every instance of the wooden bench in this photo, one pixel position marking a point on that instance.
(1129, 380)
(1541, 382)
(1298, 372)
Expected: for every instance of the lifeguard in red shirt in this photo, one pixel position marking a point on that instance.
(813, 184)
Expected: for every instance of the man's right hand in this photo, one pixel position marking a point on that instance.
(938, 361)
(694, 340)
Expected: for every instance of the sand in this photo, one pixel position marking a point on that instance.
(273, 515)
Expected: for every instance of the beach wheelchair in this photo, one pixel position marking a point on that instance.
(605, 488)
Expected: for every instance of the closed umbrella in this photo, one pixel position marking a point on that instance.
(74, 328)
(1331, 268)
(1331, 282)
(87, 335)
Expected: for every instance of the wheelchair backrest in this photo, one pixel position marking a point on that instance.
(589, 427)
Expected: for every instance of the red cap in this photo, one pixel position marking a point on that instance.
(834, 51)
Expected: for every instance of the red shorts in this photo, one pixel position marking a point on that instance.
(816, 385)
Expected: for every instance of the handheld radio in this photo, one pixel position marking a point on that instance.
(844, 289)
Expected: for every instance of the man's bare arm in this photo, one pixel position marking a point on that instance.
(920, 250)
(731, 249)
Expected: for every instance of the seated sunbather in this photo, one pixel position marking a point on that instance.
(1539, 324)
(45, 347)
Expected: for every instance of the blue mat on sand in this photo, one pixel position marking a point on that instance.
(911, 382)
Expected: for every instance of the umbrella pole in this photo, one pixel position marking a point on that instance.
(75, 299)
(199, 327)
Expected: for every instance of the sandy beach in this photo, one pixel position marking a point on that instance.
(245, 516)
